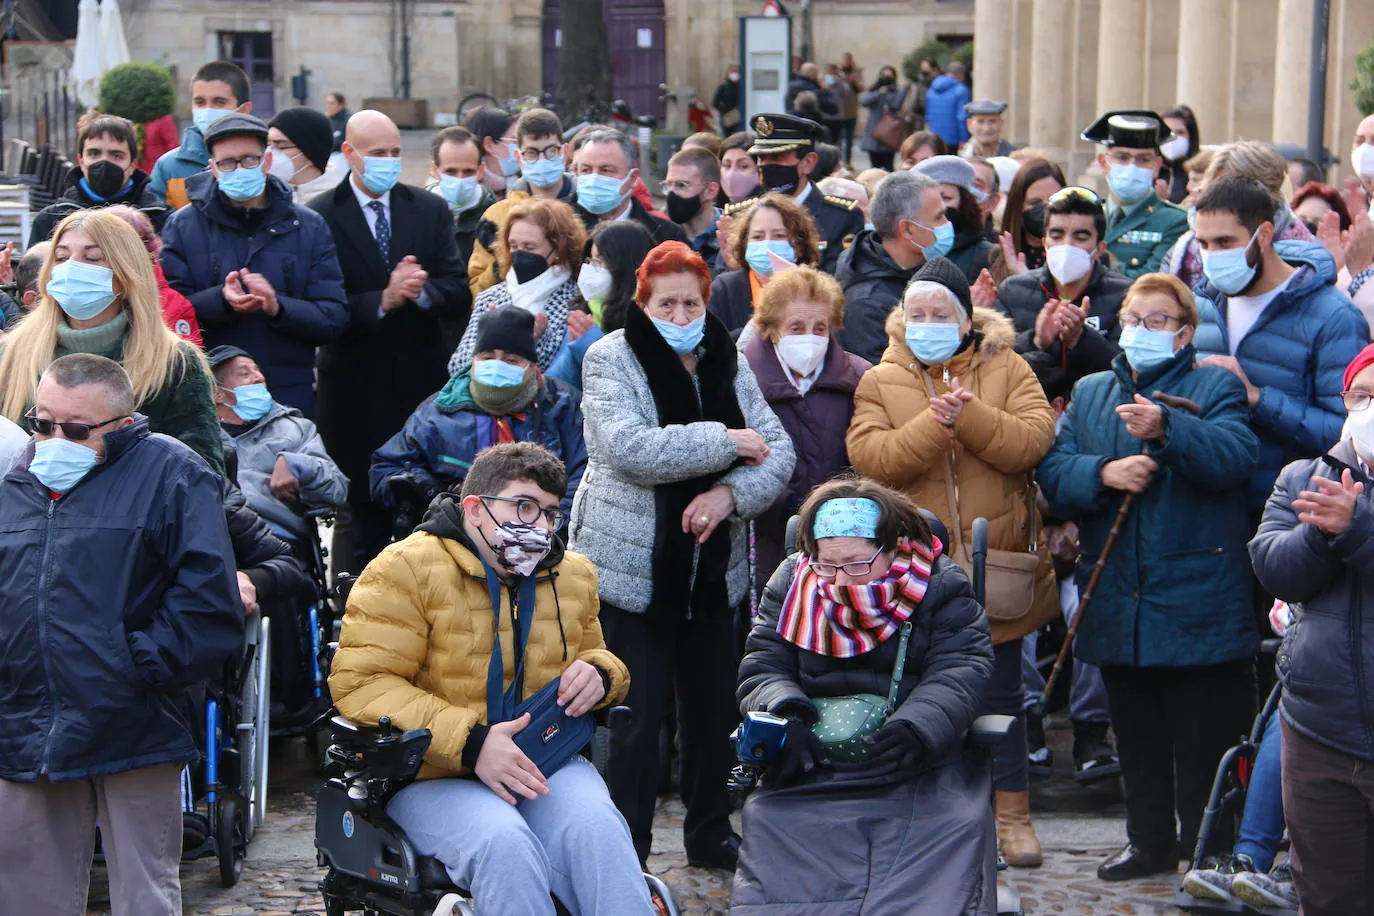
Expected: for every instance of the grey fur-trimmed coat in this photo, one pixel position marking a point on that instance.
(629, 454)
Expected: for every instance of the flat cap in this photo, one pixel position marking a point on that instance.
(218, 356)
(1131, 129)
(984, 107)
(779, 133)
(236, 124)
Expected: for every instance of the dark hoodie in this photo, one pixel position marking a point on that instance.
(873, 284)
(75, 198)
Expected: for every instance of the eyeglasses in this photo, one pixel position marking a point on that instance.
(529, 511)
(549, 152)
(1155, 321)
(77, 432)
(247, 162)
(853, 568)
(1355, 399)
(1073, 191)
(680, 188)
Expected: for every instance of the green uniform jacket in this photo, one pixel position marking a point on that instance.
(1139, 239)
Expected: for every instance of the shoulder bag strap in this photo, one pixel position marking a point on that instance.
(908, 105)
(900, 668)
(951, 484)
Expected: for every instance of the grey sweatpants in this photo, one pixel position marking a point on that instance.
(49, 838)
(572, 842)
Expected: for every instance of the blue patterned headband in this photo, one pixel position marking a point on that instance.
(847, 518)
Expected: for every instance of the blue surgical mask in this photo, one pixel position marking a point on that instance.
(380, 173)
(251, 402)
(202, 118)
(497, 373)
(81, 290)
(508, 164)
(933, 342)
(60, 464)
(1229, 270)
(944, 240)
(683, 339)
(242, 183)
(599, 194)
(869, 227)
(756, 255)
(1130, 183)
(461, 193)
(543, 173)
(1145, 348)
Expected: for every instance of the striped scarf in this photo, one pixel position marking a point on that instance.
(842, 621)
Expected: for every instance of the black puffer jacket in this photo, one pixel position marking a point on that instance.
(75, 198)
(116, 597)
(265, 559)
(1327, 660)
(948, 663)
(873, 284)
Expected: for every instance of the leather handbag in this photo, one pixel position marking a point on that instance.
(894, 126)
(1009, 575)
(843, 722)
(553, 737)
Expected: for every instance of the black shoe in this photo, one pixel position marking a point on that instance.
(724, 854)
(1133, 862)
(1093, 757)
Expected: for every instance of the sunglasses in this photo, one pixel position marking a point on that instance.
(1074, 191)
(77, 432)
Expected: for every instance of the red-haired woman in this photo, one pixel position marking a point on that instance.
(682, 451)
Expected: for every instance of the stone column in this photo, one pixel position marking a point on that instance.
(1051, 102)
(1204, 64)
(1121, 40)
(1292, 71)
(992, 43)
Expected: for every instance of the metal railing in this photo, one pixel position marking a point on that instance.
(39, 107)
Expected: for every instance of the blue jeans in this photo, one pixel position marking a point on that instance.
(571, 842)
(1087, 694)
(1261, 825)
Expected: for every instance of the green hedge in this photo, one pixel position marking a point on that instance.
(1363, 83)
(141, 92)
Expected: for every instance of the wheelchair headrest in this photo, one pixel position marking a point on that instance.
(937, 527)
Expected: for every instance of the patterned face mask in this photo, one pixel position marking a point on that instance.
(519, 547)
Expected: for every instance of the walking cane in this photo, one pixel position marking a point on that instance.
(1087, 597)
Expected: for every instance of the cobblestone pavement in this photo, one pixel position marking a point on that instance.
(1078, 827)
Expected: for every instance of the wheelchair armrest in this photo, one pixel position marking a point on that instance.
(323, 513)
(618, 717)
(1270, 647)
(988, 731)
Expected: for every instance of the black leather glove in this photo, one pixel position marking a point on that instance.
(896, 744)
(801, 754)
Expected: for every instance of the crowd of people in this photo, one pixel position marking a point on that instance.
(564, 423)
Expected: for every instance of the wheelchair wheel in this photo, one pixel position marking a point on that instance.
(661, 897)
(253, 727)
(231, 839)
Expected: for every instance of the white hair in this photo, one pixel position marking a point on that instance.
(835, 186)
(929, 289)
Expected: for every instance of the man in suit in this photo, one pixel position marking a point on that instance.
(1141, 228)
(402, 275)
(606, 176)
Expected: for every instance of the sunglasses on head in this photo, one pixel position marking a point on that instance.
(1075, 191)
(77, 432)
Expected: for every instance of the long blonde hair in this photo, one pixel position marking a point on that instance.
(152, 353)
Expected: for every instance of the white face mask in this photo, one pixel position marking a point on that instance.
(802, 353)
(1068, 263)
(283, 167)
(1174, 149)
(1362, 160)
(594, 282)
(1359, 429)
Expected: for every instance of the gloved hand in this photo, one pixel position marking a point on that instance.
(896, 744)
(801, 754)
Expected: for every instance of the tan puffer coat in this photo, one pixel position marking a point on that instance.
(417, 639)
(999, 438)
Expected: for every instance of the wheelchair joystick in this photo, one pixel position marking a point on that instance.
(758, 741)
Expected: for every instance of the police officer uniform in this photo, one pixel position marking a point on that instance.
(1139, 236)
(838, 221)
(985, 107)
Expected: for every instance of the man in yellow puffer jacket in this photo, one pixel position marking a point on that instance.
(418, 645)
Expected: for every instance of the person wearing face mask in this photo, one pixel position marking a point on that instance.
(809, 382)
(1170, 625)
(770, 235)
(107, 149)
(683, 451)
(1271, 315)
(97, 294)
(456, 174)
(691, 186)
(402, 276)
(260, 270)
(301, 140)
(217, 88)
(500, 150)
(1067, 309)
(969, 248)
(1141, 228)
(486, 563)
(605, 166)
(886, 95)
(909, 227)
(726, 100)
(739, 171)
(540, 252)
(501, 397)
(119, 596)
(1178, 149)
(957, 421)
(1021, 243)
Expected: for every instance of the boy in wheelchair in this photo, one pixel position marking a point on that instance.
(451, 630)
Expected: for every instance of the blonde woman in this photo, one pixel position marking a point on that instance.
(98, 294)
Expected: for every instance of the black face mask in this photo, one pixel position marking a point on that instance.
(105, 179)
(1311, 226)
(527, 265)
(956, 219)
(1033, 221)
(683, 209)
(780, 178)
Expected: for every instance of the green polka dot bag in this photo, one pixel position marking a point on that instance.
(843, 722)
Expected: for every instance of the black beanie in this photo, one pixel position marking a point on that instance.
(510, 329)
(946, 273)
(310, 130)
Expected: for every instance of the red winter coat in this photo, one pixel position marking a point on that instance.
(159, 137)
(177, 310)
